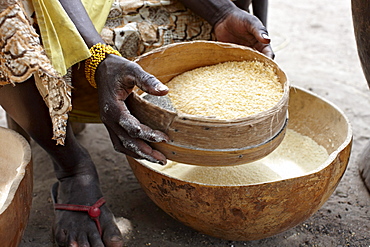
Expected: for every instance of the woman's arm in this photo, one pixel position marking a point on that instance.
(76, 11)
(260, 9)
(211, 10)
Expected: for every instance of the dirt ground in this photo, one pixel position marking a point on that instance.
(315, 46)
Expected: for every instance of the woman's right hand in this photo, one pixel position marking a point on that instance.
(116, 78)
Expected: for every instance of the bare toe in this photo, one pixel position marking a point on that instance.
(112, 237)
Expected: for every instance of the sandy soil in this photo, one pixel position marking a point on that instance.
(315, 45)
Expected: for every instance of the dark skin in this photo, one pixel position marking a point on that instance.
(115, 77)
(259, 8)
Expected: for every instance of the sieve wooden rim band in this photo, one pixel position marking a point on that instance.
(240, 149)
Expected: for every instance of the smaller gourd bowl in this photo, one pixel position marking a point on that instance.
(192, 138)
(16, 184)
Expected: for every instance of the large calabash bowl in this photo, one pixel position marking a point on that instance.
(255, 211)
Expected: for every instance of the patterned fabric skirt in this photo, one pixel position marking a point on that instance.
(135, 27)
(22, 56)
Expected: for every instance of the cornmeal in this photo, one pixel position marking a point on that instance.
(227, 90)
(297, 155)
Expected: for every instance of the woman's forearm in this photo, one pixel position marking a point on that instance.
(76, 11)
(210, 10)
(260, 9)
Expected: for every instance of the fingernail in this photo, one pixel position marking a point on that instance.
(158, 137)
(116, 239)
(161, 87)
(265, 36)
(162, 162)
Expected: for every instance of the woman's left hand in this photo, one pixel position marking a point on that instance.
(240, 27)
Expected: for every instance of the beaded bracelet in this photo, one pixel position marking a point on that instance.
(98, 53)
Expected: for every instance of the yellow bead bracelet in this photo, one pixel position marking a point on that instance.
(98, 53)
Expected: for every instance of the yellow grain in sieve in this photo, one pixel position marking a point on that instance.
(227, 90)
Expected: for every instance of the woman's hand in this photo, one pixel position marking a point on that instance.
(240, 27)
(116, 78)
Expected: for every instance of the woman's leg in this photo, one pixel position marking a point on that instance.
(14, 126)
(78, 178)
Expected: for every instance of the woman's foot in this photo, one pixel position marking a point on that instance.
(77, 228)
